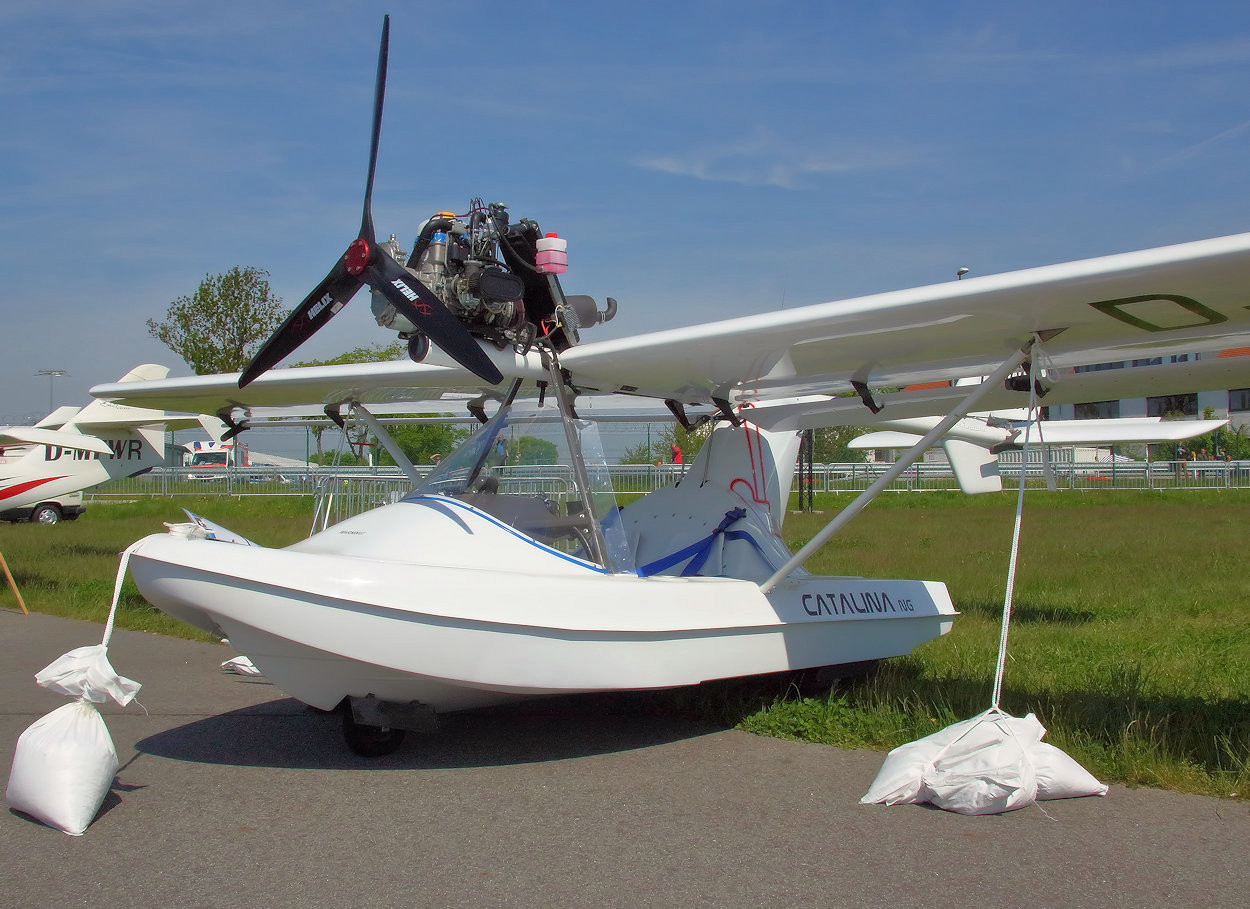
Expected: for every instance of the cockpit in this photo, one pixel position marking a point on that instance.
(543, 476)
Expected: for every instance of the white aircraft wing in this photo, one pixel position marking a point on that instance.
(370, 383)
(1048, 432)
(29, 435)
(1180, 299)
(1185, 298)
(1114, 431)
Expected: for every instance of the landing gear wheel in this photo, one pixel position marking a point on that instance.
(418, 347)
(369, 741)
(45, 514)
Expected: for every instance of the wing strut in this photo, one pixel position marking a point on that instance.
(994, 380)
(388, 443)
(568, 417)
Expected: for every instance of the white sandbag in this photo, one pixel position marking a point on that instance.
(986, 765)
(86, 672)
(63, 767)
(987, 769)
(1060, 777)
(240, 665)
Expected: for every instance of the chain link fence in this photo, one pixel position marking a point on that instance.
(380, 484)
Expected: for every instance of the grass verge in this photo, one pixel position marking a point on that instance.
(1130, 635)
(70, 569)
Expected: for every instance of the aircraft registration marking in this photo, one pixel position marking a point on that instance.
(125, 449)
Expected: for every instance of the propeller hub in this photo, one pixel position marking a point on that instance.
(356, 257)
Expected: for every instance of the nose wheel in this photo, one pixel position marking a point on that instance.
(369, 741)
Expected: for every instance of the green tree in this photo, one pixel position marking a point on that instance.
(829, 444)
(342, 459)
(374, 353)
(222, 325)
(659, 447)
(532, 450)
(422, 441)
(639, 454)
(690, 441)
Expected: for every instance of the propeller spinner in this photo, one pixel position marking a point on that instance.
(366, 262)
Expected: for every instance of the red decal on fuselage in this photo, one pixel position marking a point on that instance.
(22, 487)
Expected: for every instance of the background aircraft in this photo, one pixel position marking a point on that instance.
(972, 445)
(43, 467)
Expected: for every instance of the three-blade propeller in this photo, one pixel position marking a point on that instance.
(365, 262)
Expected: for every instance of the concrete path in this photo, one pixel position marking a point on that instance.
(232, 795)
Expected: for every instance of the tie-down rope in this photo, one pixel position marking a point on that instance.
(1015, 534)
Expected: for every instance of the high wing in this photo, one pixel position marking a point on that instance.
(1188, 298)
(369, 383)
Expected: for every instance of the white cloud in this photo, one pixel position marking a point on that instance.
(1198, 149)
(767, 160)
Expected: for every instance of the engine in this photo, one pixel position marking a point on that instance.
(499, 279)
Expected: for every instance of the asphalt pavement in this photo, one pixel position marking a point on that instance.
(231, 794)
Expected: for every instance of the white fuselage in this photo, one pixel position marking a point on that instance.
(432, 600)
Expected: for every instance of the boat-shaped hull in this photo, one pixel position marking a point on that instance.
(326, 625)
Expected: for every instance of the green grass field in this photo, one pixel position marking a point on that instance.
(1130, 638)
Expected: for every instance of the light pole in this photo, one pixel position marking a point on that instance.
(51, 374)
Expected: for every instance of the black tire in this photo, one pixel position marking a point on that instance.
(46, 513)
(369, 741)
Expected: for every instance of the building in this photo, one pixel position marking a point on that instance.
(1233, 403)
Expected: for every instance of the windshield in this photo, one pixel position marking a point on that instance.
(209, 457)
(519, 468)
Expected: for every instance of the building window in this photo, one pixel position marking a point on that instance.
(1150, 361)
(1171, 405)
(1097, 410)
(1239, 400)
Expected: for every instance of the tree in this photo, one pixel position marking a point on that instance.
(342, 459)
(829, 444)
(374, 353)
(531, 450)
(660, 448)
(639, 454)
(420, 442)
(222, 325)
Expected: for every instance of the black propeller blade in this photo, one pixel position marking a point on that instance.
(367, 263)
(318, 307)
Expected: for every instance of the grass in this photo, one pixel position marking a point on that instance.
(70, 569)
(1130, 637)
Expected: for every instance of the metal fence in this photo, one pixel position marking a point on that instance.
(376, 485)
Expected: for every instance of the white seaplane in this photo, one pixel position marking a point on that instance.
(487, 584)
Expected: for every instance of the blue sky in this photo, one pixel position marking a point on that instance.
(703, 159)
